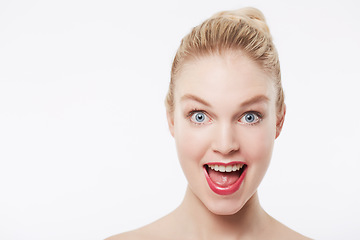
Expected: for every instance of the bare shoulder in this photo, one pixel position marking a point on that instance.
(280, 231)
(148, 232)
(131, 235)
(158, 230)
(291, 234)
(121, 236)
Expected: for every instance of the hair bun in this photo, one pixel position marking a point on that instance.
(250, 15)
(243, 30)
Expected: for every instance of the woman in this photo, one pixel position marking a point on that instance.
(225, 108)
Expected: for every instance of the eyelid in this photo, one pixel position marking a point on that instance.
(191, 113)
(259, 116)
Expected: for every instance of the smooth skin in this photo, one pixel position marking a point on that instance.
(238, 121)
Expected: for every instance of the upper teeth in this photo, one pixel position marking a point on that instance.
(229, 168)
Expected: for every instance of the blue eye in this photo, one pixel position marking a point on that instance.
(199, 117)
(250, 118)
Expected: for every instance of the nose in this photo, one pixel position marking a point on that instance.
(225, 139)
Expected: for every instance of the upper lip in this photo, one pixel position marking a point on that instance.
(225, 163)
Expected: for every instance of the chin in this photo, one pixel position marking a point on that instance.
(225, 207)
(227, 212)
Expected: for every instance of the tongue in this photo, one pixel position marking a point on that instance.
(223, 179)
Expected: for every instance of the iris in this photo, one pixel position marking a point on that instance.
(199, 117)
(250, 117)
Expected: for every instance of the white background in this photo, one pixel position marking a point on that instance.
(85, 152)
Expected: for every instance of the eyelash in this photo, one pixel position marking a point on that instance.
(192, 112)
(259, 116)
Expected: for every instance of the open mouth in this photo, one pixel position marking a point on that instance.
(225, 179)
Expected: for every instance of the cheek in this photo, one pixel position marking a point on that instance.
(191, 143)
(259, 145)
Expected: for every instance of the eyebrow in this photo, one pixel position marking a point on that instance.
(255, 99)
(195, 98)
(251, 101)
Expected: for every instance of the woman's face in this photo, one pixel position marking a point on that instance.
(224, 125)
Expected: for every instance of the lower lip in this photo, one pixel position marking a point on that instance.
(225, 190)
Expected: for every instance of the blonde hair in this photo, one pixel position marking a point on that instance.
(243, 29)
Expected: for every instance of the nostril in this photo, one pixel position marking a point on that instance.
(225, 141)
(226, 150)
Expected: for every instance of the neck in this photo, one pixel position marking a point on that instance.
(250, 219)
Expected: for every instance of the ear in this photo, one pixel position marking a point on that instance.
(280, 121)
(170, 120)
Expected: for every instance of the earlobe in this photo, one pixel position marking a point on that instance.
(280, 121)
(170, 120)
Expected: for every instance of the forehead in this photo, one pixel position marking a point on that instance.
(229, 76)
